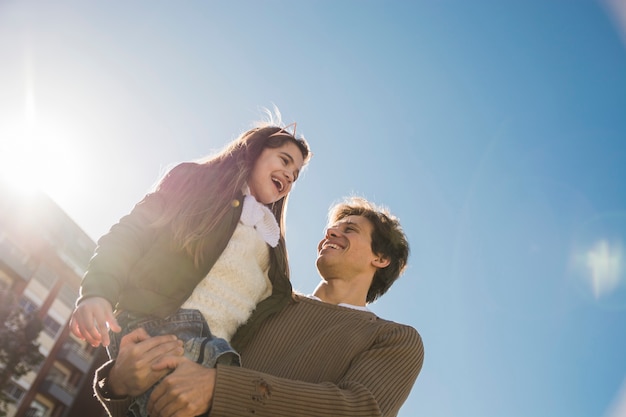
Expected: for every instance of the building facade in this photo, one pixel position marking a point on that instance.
(43, 256)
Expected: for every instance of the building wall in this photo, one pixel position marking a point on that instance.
(43, 255)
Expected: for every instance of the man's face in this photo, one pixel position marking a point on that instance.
(346, 250)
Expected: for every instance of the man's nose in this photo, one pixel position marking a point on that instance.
(332, 232)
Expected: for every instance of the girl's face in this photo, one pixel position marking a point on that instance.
(274, 172)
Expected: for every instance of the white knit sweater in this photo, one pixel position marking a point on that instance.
(235, 285)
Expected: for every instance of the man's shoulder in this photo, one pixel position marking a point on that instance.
(313, 304)
(390, 326)
(378, 331)
(403, 336)
(402, 330)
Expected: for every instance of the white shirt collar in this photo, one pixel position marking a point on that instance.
(260, 217)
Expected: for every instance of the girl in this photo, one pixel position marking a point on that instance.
(198, 255)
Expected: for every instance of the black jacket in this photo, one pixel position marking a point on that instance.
(136, 268)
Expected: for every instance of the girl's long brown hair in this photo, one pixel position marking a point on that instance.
(197, 199)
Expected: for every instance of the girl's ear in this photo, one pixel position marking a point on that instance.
(381, 261)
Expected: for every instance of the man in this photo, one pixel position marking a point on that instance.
(323, 355)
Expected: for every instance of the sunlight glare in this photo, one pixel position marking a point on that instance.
(40, 157)
(605, 263)
(38, 148)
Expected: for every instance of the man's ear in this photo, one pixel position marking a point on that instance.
(381, 261)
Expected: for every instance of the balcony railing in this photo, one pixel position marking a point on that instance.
(76, 356)
(59, 389)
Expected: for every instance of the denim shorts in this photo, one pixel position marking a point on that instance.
(190, 327)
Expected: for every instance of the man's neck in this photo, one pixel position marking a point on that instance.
(333, 292)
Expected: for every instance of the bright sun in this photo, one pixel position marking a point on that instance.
(40, 156)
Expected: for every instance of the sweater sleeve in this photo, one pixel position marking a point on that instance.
(114, 407)
(377, 383)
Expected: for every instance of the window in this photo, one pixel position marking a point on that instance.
(51, 326)
(36, 409)
(14, 391)
(28, 305)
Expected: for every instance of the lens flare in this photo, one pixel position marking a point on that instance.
(605, 262)
(598, 260)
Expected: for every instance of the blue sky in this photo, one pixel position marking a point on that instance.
(495, 130)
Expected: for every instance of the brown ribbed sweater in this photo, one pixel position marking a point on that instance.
(317, 359)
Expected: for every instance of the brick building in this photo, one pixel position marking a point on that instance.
(43, 255)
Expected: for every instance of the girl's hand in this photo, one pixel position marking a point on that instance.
(92, 319)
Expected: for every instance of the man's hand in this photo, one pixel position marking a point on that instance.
(133, 372)
(92, 319)
(186, 392)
